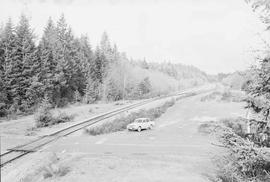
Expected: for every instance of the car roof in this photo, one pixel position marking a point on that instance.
(141, 118)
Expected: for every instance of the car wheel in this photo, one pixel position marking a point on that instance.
(139, 129)
(151, 126)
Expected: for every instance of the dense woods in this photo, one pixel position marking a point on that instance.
(65, 69)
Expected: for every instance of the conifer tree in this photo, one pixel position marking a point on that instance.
(47, 60)
(65, 64)
(105, 44)
(91, 92)
(23, 65)
(98, 66)
(8, 56)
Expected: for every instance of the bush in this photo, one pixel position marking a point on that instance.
(238, 125)
(44, 117)
(243, 161)
(62, 118)
(121, 123)
(3, 110)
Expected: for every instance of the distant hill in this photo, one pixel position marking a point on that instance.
(237, 79)
(187, 76)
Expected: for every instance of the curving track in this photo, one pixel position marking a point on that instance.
(34, 145)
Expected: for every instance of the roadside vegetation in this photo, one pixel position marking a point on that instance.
(44, 116)
(121, 123)
(244, 159)
(225, 96)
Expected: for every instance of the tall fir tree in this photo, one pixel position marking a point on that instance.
(8, 55)
(82, 59)
(105, 44)
(45, 78)
(23, 66)
(63, 69)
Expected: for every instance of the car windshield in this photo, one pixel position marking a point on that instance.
(138, 121)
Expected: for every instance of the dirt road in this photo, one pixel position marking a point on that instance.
(172, 151)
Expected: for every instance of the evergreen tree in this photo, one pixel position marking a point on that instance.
(7, 57)
(82, 58)
(105, 44)
(23, 66)
(65, 63)
(46, 77)
(87, 57)
(91, 91)
(2, 84)
(98, 67)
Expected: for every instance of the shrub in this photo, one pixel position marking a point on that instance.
(238, 125)
(121, 123)
(242, 161)
(44, 117)
(3, 110)
(62, 118)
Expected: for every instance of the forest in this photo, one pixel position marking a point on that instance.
(66, 69)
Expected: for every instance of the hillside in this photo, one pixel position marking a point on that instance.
(185, 75)
(237, 79)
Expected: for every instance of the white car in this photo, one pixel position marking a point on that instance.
(140, 124)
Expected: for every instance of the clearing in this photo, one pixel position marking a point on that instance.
(172, 151)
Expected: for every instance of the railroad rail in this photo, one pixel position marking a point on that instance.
(21, 150)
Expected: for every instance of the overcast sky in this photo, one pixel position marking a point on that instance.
(214, 35)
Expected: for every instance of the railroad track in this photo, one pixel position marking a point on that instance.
(21, 150)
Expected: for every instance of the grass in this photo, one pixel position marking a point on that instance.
(121, 123)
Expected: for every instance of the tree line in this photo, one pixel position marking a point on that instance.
(60, 66)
